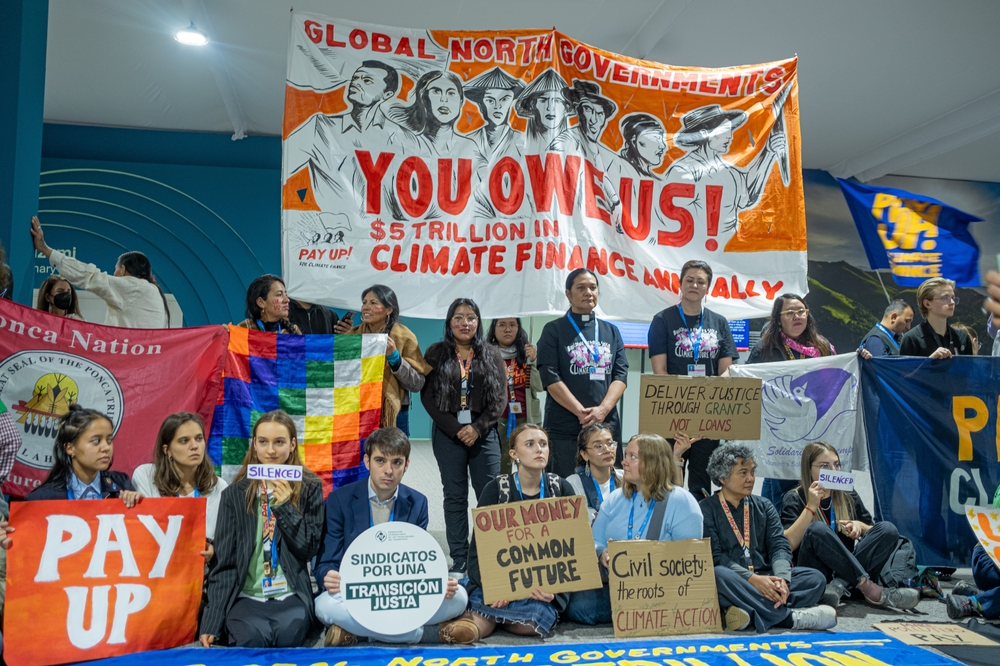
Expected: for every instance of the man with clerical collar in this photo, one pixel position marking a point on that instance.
(884, 339)
(352, 509)
(754, 576)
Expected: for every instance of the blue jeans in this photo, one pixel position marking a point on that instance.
(590, 606)
(987, 578)
(805, 591)
(403, 422)
(775, 489)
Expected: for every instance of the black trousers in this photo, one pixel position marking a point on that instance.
(268, 624)
(698, 481)
(823, 550)
(457, 462)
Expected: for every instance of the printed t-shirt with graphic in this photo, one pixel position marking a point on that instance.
(669, 335)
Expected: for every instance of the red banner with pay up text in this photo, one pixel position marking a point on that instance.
(94, 579)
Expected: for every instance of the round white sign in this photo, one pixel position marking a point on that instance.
(393, 578)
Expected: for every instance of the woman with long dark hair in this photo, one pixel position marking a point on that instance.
(523, 381)
(267, 306)
(464, 396)
(134, 298)
(57, 296)
(82, 455)
(790, 334)
(260, 591)
(404, 362)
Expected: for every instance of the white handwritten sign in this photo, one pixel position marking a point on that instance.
(833, 479)
(274, 472)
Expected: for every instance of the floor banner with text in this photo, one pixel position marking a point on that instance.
(414, 156)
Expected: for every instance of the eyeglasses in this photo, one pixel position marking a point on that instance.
(946, 299)
(795, 314)
(607, 446)
(461, 319)
(828, 466)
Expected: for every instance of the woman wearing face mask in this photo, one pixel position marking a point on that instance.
(405, 365)
(133, 297)
(57, 296)
(690, 339)
(523, 380)
(464, 395)
(82, 455)
(260, 592)
(267, 307)
(789, 335)
(181, 468)
(934, 338)
(583, 367)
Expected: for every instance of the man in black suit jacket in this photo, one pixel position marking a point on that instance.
(352, 509)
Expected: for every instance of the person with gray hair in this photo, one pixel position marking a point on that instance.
(753, 560)
(884, 339)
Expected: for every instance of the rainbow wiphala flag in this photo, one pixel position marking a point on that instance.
(331, 386)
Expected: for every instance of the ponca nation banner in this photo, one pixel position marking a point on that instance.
(414, 157)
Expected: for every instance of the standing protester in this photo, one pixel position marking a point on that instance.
(689, 339)
(790, 334)
(523, 381)
(595, 476)
(934, 338)
(260, 592)
(831, 531)
(133, 297)
(267, 306)
(971, 334)
(57, 296)
(584, 370)
(753, 562)
(405, 366)
(464, 395)
(884, 339)
(311, 319)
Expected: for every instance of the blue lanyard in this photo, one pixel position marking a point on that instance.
(595, 351)
(600, 495)
(261, 324)
(892, 338)
(371, 520)
(631, 515)
(541, 486)
(196, 494)
(833, 516)
(274, 536)
(695, 343)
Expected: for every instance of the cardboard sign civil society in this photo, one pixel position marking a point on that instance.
(710, 407)
(659, 588)
(544, 543)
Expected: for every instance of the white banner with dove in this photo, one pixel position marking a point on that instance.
(805, 401)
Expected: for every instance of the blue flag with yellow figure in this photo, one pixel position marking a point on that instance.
(915, 236)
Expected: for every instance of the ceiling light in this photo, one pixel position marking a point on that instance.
(191, 36)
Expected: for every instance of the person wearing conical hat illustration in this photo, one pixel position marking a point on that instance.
(706, 134)
(494, 92)
(546, 109)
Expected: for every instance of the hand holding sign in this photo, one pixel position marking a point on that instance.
(834, 479)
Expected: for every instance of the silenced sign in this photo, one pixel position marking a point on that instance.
(274, 472)
(833, 479)
(711, 407)
(544, 543)
(393, 578)
(663, 587)
(107, 580)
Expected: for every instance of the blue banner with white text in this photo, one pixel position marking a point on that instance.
(932, 446)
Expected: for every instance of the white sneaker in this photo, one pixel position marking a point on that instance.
(817, 617)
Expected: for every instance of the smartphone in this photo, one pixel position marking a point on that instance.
(349, 316)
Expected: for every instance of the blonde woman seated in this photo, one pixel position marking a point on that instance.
(649, 505)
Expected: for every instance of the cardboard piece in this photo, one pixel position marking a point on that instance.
(544, 543)
(274, 472)
(833, 479)
(932, 633)
(985, 523)
(710, 407)
(661, 588)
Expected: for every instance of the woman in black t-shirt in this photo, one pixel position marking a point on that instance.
(689, 339)
(583, 367)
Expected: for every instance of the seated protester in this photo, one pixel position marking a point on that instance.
(831, 531)
(267, 307)
(934, 338)
(753, 562)
(181, 468)
(968, 601)
(649, 505)
(595, 477)
(259, 590)
(538, 614)
(82, 455)
(352, 509)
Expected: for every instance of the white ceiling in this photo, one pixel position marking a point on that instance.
(886, 86)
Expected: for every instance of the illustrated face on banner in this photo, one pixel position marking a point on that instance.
(719, 139)
(368, 87)
(651, 145)
(593, 119)
(496, 104)
(551, 109)
(445, 100)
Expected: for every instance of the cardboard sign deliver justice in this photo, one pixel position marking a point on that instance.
(274, 472)
(713, 407)
(833, 479)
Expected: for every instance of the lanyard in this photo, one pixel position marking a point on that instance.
(541, 486)
(196, 494)
(695, 343)
(631, 515)
(742, 539)
(270, 550)
(791, 354)
(392, 513)
(600, 495)
(892, 338)
(832, 522)
(511, 416)
(595, 351)
(465, 368)
(261, 324)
